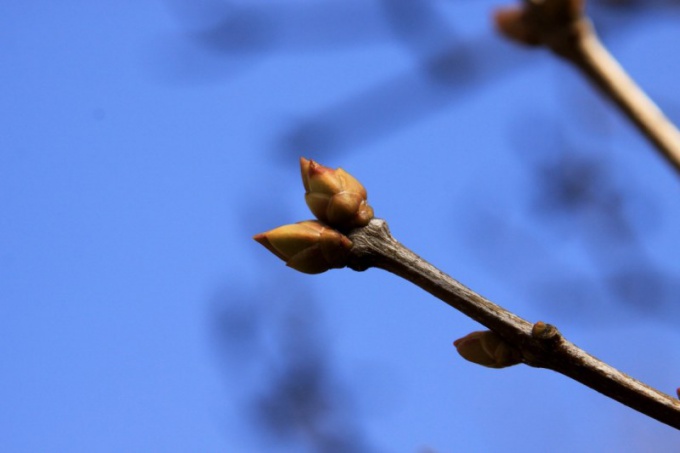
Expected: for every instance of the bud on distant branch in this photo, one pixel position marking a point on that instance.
(540, 22)
(308, 246)
(334, 196)
(488, 349)
(512, 22)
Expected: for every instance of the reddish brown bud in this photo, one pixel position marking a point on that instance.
(488, 349)
(512, 22)
(334, 196)
(540, 22)
(308, 246)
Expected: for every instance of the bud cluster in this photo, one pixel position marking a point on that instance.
(338, 200)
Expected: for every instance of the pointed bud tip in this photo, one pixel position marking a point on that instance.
(304, 172)
(307, 165)
(264, 241)
(316, 168)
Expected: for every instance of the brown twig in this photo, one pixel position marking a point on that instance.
(541, 345)
(561, 26)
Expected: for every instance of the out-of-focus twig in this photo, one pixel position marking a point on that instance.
(539, 344)
(562, 26)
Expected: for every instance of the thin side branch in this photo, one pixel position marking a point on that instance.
(601, 67)
(541, 345)
(561, 26)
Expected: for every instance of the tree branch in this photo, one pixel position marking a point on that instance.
(561, 26)
(541, 345)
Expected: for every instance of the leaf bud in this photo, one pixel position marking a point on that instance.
(334, 196)
(308, 246)
(488, 349)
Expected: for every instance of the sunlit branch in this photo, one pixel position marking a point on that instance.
(541, 345)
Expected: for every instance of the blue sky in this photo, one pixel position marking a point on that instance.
(144, 143)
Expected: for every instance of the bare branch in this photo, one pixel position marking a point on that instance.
(541, 345)
(561, 26)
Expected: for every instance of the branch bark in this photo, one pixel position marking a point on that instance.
(541, 345)
(561, 26)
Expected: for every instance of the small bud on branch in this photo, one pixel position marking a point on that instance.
(488, 349)
(539, 22)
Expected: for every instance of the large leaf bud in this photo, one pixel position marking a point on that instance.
(488, 349)
(334, 196)
(308, 246)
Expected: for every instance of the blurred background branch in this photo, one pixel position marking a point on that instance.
(562, 26)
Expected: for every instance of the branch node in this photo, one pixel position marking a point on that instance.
(367, 243)
(546, 333)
